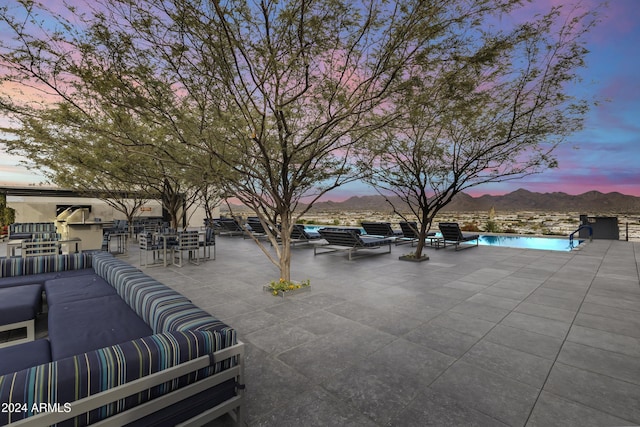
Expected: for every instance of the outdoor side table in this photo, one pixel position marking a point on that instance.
(121, 242)
(19, 306)
(67, 244)
(12, 245)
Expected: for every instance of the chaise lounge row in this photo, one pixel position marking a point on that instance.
(379, 235)
(121, 346)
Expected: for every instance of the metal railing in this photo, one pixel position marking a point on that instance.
(581, 228)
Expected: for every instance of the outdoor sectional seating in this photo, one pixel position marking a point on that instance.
(122, 347)
(32, 230)
(349, 240)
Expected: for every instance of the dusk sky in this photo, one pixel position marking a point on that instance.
(605, 156)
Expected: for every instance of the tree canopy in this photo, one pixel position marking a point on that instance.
(276, 102)
(494, 111)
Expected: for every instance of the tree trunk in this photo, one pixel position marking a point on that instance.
(285, 239)
(422, 233)
(130, 222)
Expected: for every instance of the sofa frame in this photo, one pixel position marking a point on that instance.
(233, 406)
(30, 325)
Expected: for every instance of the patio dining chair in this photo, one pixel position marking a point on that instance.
(208, 243)
(147, 245)
(187, 241)
(37, 247)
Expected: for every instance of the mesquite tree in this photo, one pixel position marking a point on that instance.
(495, 111)
(285, 93)
(277, 98)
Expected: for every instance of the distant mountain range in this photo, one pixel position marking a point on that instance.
(519, 200)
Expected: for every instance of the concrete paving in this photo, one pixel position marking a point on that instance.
(485, 336)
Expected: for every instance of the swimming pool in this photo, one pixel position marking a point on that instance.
(523, 242)
(528, 242)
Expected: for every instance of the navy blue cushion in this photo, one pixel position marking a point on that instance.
(374, 241)
(40, 278)
(25, 235)
(111, 322)
(22, 356)
(19, 303)
(77, 288)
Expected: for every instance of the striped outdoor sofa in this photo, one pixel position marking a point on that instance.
(31, 230)
(184, 365)
(15, 271)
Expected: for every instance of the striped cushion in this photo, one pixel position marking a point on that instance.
(126, 283)
(32, 227)
(10, 267)
(136, 289)
(83, 375)
(103, 261)
(162, 308)
(113, 274)
(148, 301)
(183, 316)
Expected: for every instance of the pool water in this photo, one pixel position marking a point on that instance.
(524, 242)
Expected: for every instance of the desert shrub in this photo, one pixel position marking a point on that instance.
(469, 226)
(491, 227)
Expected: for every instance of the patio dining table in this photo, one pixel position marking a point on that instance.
(12, 245)
(163, 238)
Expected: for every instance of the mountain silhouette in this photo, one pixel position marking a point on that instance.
(519, 200)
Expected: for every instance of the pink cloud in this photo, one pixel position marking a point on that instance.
(620, 17)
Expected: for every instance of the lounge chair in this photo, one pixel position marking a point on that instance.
(349, 241)
(299, 235)
(451, 234)
(382, 229)
(256, 229)
(410, 233)
(229, 227)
